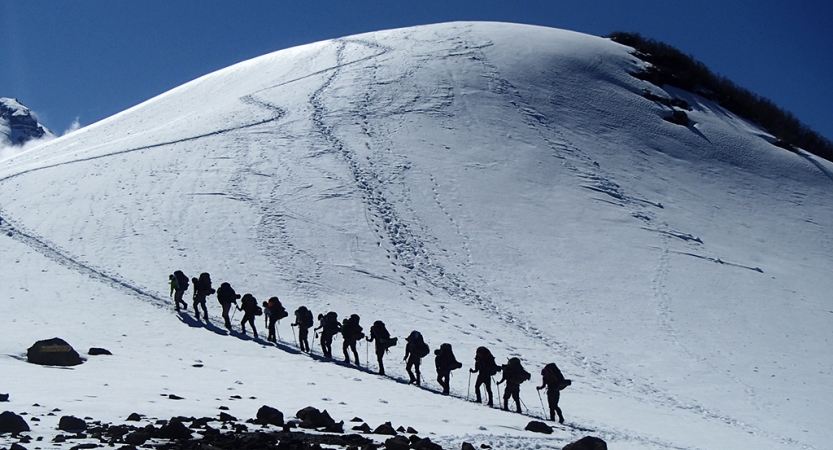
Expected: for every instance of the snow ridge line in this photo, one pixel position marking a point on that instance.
(65, 259)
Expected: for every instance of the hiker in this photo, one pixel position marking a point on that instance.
(274, 311)
(380, 335)
(485, 368)
(554, 381)
(179, 284)
(226, 296)
(351, 332)
(303, 320)
(445, 363)
(202, 289)
(415, 350)
(329, 328)
(513, 374)
(248, 304)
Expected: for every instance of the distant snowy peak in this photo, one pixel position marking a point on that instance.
(18, 124)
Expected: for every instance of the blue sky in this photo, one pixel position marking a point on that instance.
(91, 59)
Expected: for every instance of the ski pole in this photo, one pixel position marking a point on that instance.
(278, 330)
(293, 337)
(522, 403)
(542, 404)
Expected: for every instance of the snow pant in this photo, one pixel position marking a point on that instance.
(226, 308)
(514, 391)
(327, 345)
(485, 380)
(271, 337)
(303, 335)
(178, 299)
(413, 362)
(352, 346)
(553, 395)
(249, 317)
(199, 299)
(380, 353)
(443, 378)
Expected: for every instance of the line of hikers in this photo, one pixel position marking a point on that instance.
(513, 373)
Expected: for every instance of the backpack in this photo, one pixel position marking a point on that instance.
(418, 346)
(303, 317)
(249, 303)
(351, 330)
(553, 377)
(181, 281)
(276, 309)
(514, 373)
(204, 284)
(445, 359)
(331, 325)
(379, 332)
(488, 367)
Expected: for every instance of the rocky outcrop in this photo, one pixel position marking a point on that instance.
(18, 125)
(53, 352)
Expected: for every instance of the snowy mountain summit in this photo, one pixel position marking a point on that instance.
(487, 184)
(18, 125)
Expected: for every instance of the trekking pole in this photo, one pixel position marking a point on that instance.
(468, 388)
(522, 403)
(366, 354)
(294, 338)
(278, 330)
(542, 404)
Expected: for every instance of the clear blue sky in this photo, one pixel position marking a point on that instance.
(91, 59)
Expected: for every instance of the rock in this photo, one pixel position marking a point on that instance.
(174, 429)
(313, 418)
(225, 417)
(385, 428)
(400, 429)
(410, 430)
(363, 428)
(4, 397)
(95, 351)
(397, 443)
(137, 437)
(426, 444)
(53, 352)
(267, 415)
(356, 419)
(538, 427)
(72, 423)
(16, 446)
(467, 446)
(337, 427)
(587, 443)
(134, 417)
(12, 423)
(174, 397)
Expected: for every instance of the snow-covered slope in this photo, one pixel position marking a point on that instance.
(487, 184)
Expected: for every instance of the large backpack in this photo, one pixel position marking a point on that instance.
(181, 281)
(303, 316)
(276, 309)
(514, 373)
(331, 325)
(418, 346)
(351, 329)
(204, 284)
(445, 359)
(553, 377)
(488, 366)
(379, 332)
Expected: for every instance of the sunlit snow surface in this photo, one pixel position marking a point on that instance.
(487, 184)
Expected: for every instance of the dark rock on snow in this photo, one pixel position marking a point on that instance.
(411, 430)
(267, 415)
(226, 417)
(426, 444)
(95, 351)
(16, 446)
(467, 446)
(72, 423)
(174, 429)
(587, 443)
(53, 352)
(385, 428)
(12, 423)
(134, 417)
(4, 397)
(538, 427)
(397, 443)
(313, 418)
(365, 428)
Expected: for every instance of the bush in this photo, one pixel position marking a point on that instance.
(672, 67)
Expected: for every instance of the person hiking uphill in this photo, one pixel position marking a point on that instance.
(179, 284)
(248, 304)
(202, 289)
(379, 334)
(554, 381)
(274, 311)
(445, 363)
(303, 320)
(485, 368)
(227, 297)
(351, 332)
(513, 374)
(329, 328)
(415, 350)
